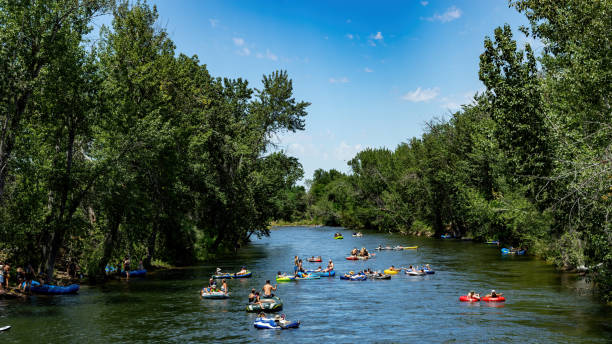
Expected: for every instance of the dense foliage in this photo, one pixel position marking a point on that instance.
(127, 148)
(529, 162)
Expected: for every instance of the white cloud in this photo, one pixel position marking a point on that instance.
(238, 41)
(244, 51)
(367, 70)
(213, 22)
(349, 36)
(378, 36)
(342, 80)
(269, 55)
(451, 14)
(421, 95)
(344, 151)
(424, 3)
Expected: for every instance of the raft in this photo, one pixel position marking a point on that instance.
(507, 251)
(285, 278)
(331, 273)
(216, 295)
(391, 272)
(354, 277)
(268, 307)
(231, 275)
(309, 277)
(49, 289)
(271, 324)
(429, 272)
(465, 298)
(135, 273)
(377, 277)
(315, 260)
(493, 299)
(446, 236)
(415, 273)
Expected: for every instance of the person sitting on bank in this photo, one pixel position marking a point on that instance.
(268, 288)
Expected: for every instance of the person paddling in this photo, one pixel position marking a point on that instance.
(268, 288)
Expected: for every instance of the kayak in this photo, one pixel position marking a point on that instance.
(492, 242)
(5, 328)
(135, 273)
(285, 278)
(49, 289)
(266, 323)
(517, 252)
(493, 299)
(410, 247)
(465, 298)
(391, 272)
(217, 295)
(315, 260)
(274, 306)
(339, 237)
(354, 277)
(231, 275)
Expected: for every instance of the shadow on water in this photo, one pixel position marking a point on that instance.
(542, 305)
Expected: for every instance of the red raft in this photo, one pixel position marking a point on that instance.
(493, 299)
(465, 298)
(315, 260)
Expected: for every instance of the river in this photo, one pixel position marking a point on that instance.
(542, 305)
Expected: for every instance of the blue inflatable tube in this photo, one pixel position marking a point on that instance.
(507, 251)
(323, 273)
(354, 278)
(135, 273)
(49, 289)
(270, 324)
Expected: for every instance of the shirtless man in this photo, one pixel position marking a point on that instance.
(330, 266)
(268, 288)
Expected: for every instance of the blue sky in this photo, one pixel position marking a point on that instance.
(374, 71)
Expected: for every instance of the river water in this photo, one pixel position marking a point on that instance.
(542, 306)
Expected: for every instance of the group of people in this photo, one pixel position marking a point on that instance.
(256, 298)
(360, 253)
(212, 287)
(473, 295)
(298, 266)
(25, 276)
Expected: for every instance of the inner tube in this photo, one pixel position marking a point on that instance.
(383, 277)
(215, 295)
(354, 277)
(384, 248)
(391, 272)
(465, 298)
(5, 328)
(331, 273)
(315, 260)
(410, 247)
(339, 237)
(493, 299)
(285, 278)
(135, 273)
(415, 273)
(508, 251)
(265, 323)
(429, 272)
(274, 306)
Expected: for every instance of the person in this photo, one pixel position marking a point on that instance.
(494, 294)
(7, 275)
(268, 288)
(1, 277)
(29, 276)
(392, 268)
(330, 265)
(126, 267)
(365, 252)
(300, 266)
(354, 252)
(243, 270)
(257, 299)
(380, 247)
(319, 269)
(224, 287)
(473, 295)
(140, 265)
(252, 295)
(410, 268)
